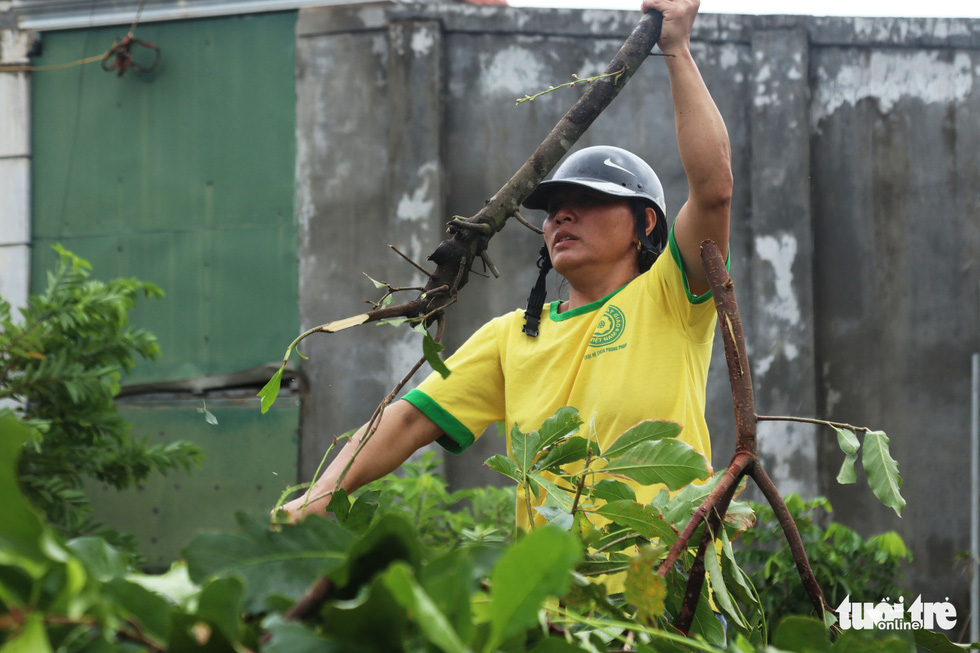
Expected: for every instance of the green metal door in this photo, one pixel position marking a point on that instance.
(183, 177)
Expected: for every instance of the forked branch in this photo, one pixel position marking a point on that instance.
(746, 461)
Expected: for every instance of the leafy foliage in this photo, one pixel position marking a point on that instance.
(444, 519)
(877, 462)
(843, 562)
(61, 363)
(382, 591)
(602, 512)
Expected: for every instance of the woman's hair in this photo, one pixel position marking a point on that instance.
(652, 245)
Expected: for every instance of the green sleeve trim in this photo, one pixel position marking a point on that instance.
(456, 438)
(675, 253)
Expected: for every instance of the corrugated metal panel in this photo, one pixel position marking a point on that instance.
(183, 177)
(249, 460)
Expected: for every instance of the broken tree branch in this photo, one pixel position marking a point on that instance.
(468, 237)
(746, 461)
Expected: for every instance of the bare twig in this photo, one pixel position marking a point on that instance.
(575, 80)
(407, 258)
(375, 420)
(488, 262)
(808, 420)
(520, 218)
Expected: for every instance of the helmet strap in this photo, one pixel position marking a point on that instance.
(535, 301)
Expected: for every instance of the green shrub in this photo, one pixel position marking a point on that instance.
(61, 364)
(844, 563)
(442, 518)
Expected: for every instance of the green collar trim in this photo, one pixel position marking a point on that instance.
(580, 310)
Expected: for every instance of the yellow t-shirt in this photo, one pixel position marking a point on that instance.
(639, 353)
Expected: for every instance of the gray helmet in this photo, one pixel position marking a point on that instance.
(606, 169)
(611, 171)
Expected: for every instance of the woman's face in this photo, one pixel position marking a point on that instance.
(589, 233)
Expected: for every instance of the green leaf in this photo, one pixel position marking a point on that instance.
(646, 521)
(668, 461)
(802, 635)
(610, 490)
(706, 623)
(646, 431)
(20, 536)
(721, 595)
(431, 349)
(448, 580)
(377, 284)
(595, 564)
(149, 609)
(891, 544)
(677, 509)
(571, 450)
(220, 604)
(848, 441)
(271, 390)
(733, 574)
(101, 560)
(882, 471)
(392, 321)
(506, 466)
(174, 584)
(536, 567)
(433, 623)
(362, 512)
(294, 637)
(586, 531)
(927, 640)
(644, 587)
(556, 517)
(272, 564)
(556, 645)
(847, 474)
(31, 638)
(555, 495)
(563, 423)
(390, 539)
(524, 446)
(355, 622)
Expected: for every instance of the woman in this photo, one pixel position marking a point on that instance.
(630, 343)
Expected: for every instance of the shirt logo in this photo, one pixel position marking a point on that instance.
(611, 326)
(611, 164)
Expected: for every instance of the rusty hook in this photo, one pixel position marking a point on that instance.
(122, 52)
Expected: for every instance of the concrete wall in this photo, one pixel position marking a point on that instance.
(855, 220)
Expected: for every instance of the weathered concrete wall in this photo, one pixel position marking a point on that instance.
(855, 219)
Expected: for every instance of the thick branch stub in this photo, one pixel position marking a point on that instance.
(739, 374)
(695, 580)
(520, 218)
(741, 463)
